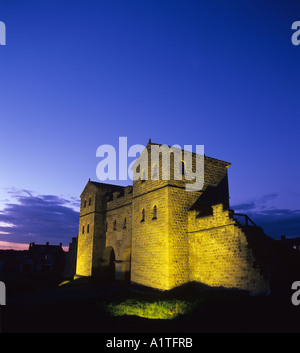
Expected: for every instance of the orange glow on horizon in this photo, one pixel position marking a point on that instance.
(7, 245)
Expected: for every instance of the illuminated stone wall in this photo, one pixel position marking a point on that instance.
(150, 236)
(85, 249)
(119, 230)
(219, 254)
(92, 242)
(160, 248)
(150, 240)
(160, 244)
(168, 247)
(179, 204)
(86, 239)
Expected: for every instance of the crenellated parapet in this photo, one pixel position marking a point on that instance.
(220, 254)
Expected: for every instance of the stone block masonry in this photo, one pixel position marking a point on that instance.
(219, 253)
(150, 240)
(157, 234)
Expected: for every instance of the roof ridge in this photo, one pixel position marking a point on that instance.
(96, 183)
(205, 156)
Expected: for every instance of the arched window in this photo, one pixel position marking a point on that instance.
(154, 172)
(90, 201)
(84, 203)
(154, 212)
(183, 168)
(82, 229)
(115, 224)
(88, 228)
(143, 215)
(125, 223)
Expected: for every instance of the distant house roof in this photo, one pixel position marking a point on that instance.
(40, 252)
(291, 242)
(36, 246)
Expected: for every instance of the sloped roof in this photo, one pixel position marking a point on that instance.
(104, 186)
(213, 160)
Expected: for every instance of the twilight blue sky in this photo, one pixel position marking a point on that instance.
(78, 74)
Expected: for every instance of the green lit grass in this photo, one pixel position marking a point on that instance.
(73, 282)
(151, 309)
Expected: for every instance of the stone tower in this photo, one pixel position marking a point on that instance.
(158, 234)
(160, 245)
(92, 227)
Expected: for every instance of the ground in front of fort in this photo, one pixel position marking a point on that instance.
(43, 306)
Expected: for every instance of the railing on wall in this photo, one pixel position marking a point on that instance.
(243, 219)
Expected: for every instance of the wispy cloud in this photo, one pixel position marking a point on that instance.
(38, 218)
(256, 204)
(274, 221)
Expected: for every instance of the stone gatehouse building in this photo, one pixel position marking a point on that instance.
(157, 234)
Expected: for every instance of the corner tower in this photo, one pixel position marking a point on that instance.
(160, 244)
(92, 233)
